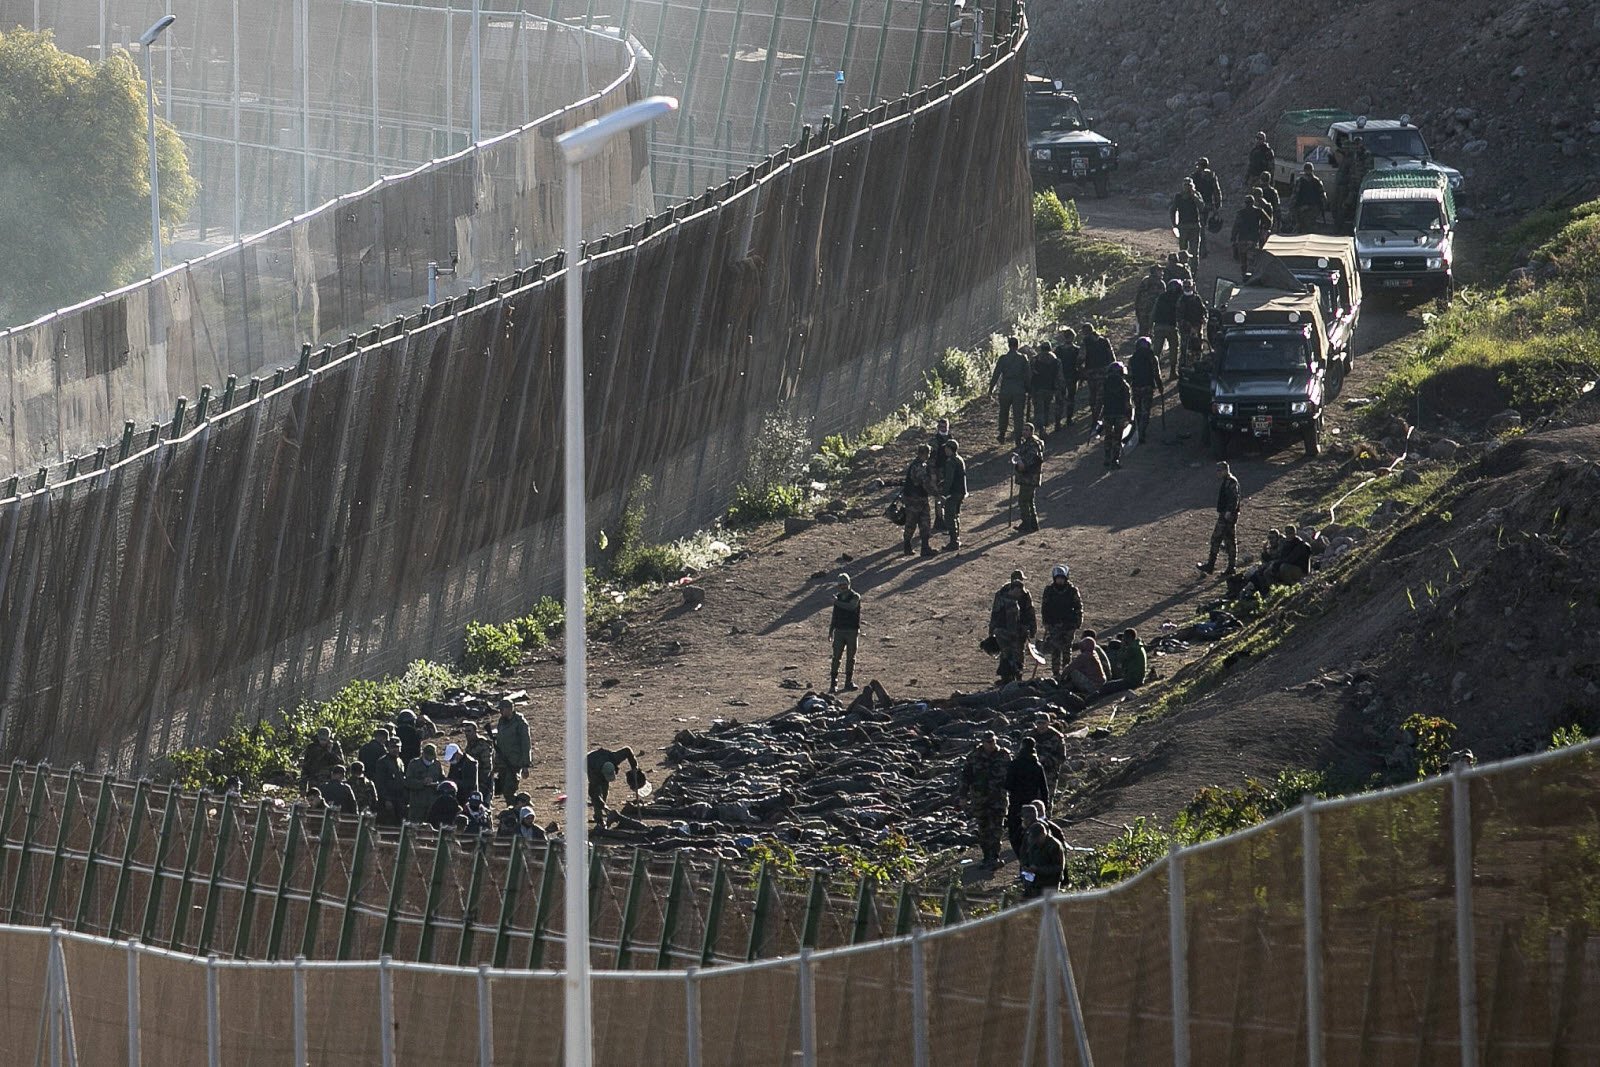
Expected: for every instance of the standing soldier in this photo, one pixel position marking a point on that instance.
(1010, 378)
(1011, 624)
(1267, 193)
(1028, 462)
(1261, 158)
(1354, 162)
(480, 748)
(389, 777)
(363, 789)
(1151, 286)
(373, 751)
(1043, 384)
(513, 750)
(1097, 356)
(1210, 190)
(1223, 535)
(1052, 750)
(1043, 855)
(1025, 784)
(1068, 355)
(1118, 411)
(1246, 233)
(423, 776)
(1144, 378)
(1192, 314)
(954, 491)
(983, 793)
(1310, 199)
(916, 493)
(844, 627)
(1165, 335)
(321, 756)
(941, 437)
(1188, 218)
(1061, 612)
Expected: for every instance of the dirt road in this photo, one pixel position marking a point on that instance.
(1131, 536)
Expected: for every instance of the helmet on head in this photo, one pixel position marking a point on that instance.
(1143, 344)
(1202, 163)
(1060, 570)
(1174, 286)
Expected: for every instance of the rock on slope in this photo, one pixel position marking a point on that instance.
(1509, 92)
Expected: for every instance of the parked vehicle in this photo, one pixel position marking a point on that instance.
(1268, 371)
(1405, 232)
(1302, 137)
(1329, 263)
(1062, 148)
(1318, 137)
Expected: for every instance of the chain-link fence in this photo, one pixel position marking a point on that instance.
(1449, 921)
(355, 511)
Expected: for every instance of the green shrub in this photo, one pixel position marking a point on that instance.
(752, 504)
(1432, 741)
(1137, 847)
(1568, 736)
(491, 647)
(1052, 215)
(541, 625)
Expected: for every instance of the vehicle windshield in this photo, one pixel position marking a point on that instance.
(1401, 216)
(1325, 286)
(1263, 352)
(1407, 143)
(1054, 112)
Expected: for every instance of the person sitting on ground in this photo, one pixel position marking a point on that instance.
(506, 823)
(336, 791)
(1133, 663)
(1100, 652)
(1085, 673)
(362, 787)
(314, 800)
(602, 765)
(1259, 574)
(1294, 561)
(528, 827)
(445, 807)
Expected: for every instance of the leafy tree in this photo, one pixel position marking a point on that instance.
(74, 175)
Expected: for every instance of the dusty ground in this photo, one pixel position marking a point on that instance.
(1131, 536)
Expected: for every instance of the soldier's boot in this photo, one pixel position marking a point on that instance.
(905, 546)
(849, 682)
(926, 550)
(833, 684)
(1208, 566)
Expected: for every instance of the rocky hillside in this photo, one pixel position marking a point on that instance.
(1506, 90)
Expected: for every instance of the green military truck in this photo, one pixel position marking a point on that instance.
(1405, 230)
(1269, 372)
(1063, 149)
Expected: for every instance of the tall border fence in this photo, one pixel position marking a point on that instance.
(358, 509)
(1449, 921)
(267, 880)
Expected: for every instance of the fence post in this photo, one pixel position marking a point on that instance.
(25, 849)
(219, 863)
(905, 912)
(758, 922)
(213, 1014)
(758, 128)
(691, 1026)
(386, 1009)
(91, 864)
(919, 999)
(630, 908)
(252, 875)
(280, 904)
(1466, 942)
(358, 881)
(191, 856)
(816, 903)
(469, 914)
(1049, 959)
(508, 903)
(708, 944)
(808, 1011)
(1178, 935)
(300, 1040)
(485, 1019)
(319, 876)
(1312, 874)
(397, 889)
(138, 812)
(441, 862)
(865, 907)
(669, 920)
(541, 911)
(59, 859)
(133, 1003)
(1069, 982)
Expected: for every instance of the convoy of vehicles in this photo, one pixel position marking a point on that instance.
(1062, 148)
(1329, 264)
(1276, 359)
(1405, 229)
(1319, 137)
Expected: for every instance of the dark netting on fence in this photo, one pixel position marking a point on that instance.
(393, 488)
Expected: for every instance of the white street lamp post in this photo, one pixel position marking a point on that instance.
(147, 39)
(578, 145)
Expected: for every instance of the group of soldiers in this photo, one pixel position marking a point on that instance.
(1015, 792)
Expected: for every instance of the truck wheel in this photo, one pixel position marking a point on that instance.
(1219, 443)
(1102, 185)
(1336, 374)
(1313, 440)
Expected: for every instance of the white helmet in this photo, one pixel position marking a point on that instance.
(1060, 570)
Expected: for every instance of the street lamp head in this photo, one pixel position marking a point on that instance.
(148, 37)
(586, 141)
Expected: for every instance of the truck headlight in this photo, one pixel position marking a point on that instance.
(1434, 262)
(1041, 153)
(1366, 261)
(1105, 152)
(1298, 407)
(1221, 407)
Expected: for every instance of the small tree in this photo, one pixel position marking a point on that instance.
(74, 175)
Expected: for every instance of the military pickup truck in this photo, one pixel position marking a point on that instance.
(1269, 372)
(1329, 264)
(1062, 149)
(1405, 233)
(1319, 137)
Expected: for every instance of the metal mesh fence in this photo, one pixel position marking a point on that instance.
(356, 512)
(1332, 934)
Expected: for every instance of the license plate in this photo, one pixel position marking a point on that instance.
(1079, 165)
(1398, 283)
(1261, 424)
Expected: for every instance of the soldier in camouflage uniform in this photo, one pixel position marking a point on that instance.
(480, 748)
(362, 788)
(983, 792)
(1043, 854)
(1051, 749)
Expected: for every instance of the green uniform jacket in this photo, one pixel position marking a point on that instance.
(1011, 374)
(512, 745)
(422, 780)
(1132, 663)
(983, 779)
